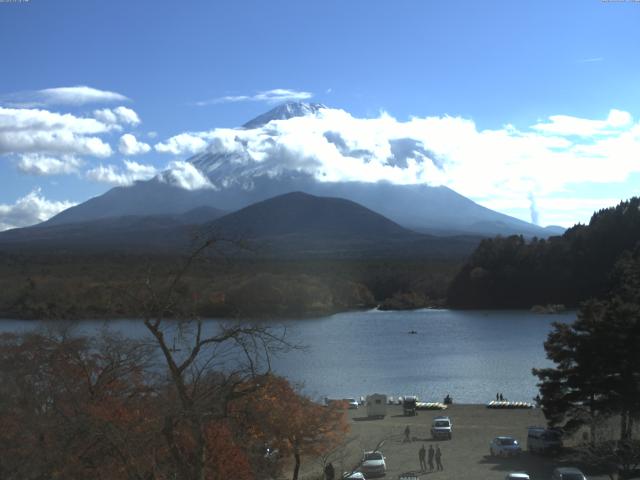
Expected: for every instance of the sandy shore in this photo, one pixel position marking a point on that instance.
(466, 456)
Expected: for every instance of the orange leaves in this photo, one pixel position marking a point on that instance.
(90, 408)
(290, 422)
(79, 409)
(226, 458)
(280, 416)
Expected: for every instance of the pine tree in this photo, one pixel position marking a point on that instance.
(597, 371)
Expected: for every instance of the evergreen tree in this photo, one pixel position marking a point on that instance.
(597, 372)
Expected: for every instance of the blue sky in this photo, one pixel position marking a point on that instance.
(501, 65)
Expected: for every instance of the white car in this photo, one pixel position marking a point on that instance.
(373, 464)
(517, 476)
(568, 473)
(353, 476)
(352, 402)
(441, 428)
(504, 447)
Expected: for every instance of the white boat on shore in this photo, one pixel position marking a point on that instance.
(508, 405)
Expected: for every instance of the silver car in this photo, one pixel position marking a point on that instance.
(568, 473)
(373, 464)
(441, 427)
(504, 446)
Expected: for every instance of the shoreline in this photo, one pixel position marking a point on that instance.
(287, 315)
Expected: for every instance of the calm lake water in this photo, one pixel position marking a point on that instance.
(469, 354)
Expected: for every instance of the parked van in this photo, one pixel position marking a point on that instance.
(541, 439)
(376, 405)
(409, 406)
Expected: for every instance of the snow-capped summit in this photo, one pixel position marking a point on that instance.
(239, 162)
(284, 112)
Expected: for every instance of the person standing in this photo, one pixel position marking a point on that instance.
(422, 455)
(407, 434)
(329, 472)
(439, 458)
(431, 453)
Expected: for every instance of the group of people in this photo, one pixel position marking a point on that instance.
(433, 454)
(500, 398)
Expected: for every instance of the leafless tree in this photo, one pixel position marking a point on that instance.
(209, 364)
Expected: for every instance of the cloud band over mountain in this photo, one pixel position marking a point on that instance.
(506, 164)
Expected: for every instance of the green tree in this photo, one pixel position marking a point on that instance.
(597, 371)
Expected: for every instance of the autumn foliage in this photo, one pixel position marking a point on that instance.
(75, 408)
(294, 425)
(78, 408)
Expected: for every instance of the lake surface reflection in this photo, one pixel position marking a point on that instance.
(469, 354)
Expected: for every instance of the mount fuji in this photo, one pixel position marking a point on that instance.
(237, 177)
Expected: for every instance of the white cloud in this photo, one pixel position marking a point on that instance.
(117, 116)
(179, 173)
(185, 143)
(553, 209)
(129, 145)
(38, 164)
(185, 175)
(106, 115)
(45, 132)
(115, 175)
(565, 125)
(140, 170)
(78, 95)
(502, 164)
(562, 203)
(30, 209)
(107, 174)
(277, 95)
(127, 115)
(20, 119)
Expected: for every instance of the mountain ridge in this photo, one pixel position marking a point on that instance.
(240, 181)
(294, 224)
(302, 213)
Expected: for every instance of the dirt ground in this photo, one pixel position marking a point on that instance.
(466, 456)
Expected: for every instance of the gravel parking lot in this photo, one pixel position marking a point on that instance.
(466, 456)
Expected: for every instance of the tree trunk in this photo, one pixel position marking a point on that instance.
(624, 425)
(592, 424)
(168, 433)
(201, 455)
(296, 469)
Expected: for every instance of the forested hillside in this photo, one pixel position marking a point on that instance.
(511, 272)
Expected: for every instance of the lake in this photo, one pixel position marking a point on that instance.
(468, 354)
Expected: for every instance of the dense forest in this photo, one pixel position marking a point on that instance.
(511, 272)
(503, 272)
(96, 286)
